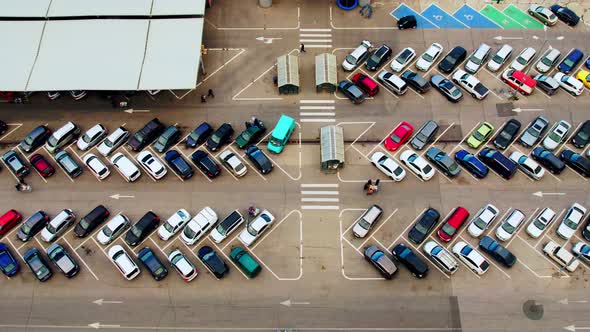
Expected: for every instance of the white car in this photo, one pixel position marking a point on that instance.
(123, 262)
(482, 220)
(470, 257)
(57, 226)
(428, 58)
(233, 163)
(471, 84)
(152, 164)
(357, 56)
(441, 257)
(548, 60)
(556, 135)
(402, 59)
(182, 265)
(256, 227)
(115, 227)
(113, 141)
(100, 170)
(527, 165)
(417, 164)
(570, 222)
(569, 83)
(510, 225)
(538, 225)
(198, 226)
(388, 166)
(523, 59)
(173, 224)
(563, 257)
(582, 250)
(366, 221)
(91, 137)
(126, 167)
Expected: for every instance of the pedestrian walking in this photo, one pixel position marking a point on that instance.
(203, 99)
(371, 190)
(363, 9)
(302, 48)
(367, 185)
(369, 11)
(210, 93)
(376, 186)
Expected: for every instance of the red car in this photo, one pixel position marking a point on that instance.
(398, 136)
(452, 224)
(42, 165)
(366, 83)
(9, 220)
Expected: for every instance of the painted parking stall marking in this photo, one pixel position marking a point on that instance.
(499, 18)
(441, 18)
(421, 22)
(316, 38)
(316, 110)
(473, 19)
(522, 18)
(319, 193)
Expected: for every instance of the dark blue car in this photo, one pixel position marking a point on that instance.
(497, 251)
(199, 135)
(37, 264)
(213, 262)
(571, 61)
(178, 164)
(471, 164)
(565, 14)
(588, 63)
(8, 264)
(153, 263)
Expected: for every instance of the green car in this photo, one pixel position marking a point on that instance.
(254, 131)
(480, 135)
(245, 262)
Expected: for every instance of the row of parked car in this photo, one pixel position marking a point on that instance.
(515, 75)
(191, 230)
(532, 136)
(162, 138)
(483, 220)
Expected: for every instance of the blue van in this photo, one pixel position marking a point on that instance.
(498, 162)
(281, 134)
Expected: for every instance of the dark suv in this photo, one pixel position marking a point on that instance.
(423, 226)
(206, 164)
(32, 226)
(416, 81)
(152, 263)
(406, 256)
(220, 137)
(90, 221)
(199, 135)
(507, 135)
(144, 227)
(146, 135)
(254, 130)
(548, 160)
(378, 58)
(168, 138)
(35, 139)
(498, 162)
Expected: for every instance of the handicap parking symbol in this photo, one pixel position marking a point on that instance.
(505, 21)
(437, 17)
(468, 17)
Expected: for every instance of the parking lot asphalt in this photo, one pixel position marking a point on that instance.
(314, 276)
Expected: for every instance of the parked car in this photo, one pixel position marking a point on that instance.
(8, 220)
(471, 164)
(497, 251)
(252, 134)
(37, 264)
(483, 220)
(471, 258)
(33, 225)
(220, 137)
(570, 222)
(113, 141)
(182, 265)
(582, 250)
(477, 58)
(255, 228)
(398, 136)
(15, 164)
(576, 161)
(42, 166)
(89, 222)
(471, 84)
(519, 81)
(154, 265)
(443, 162)
(8, 263)
(142, 229)
(450, 227)
(424, 135)
(417, 164)
(541, 222)
(151, 164)
(427, 221)
(259, 159)
(416, 81)
(571, 61)
(68, 164)
(206, 164)
(245, 262)
(509, 225)
(97, 167)
(534, 131)
(548, 160)
(366, 83)
(428, 58)
(174, 224)
(178, 164)
(441, 257)
(480, 135)
(446, 88)
(125, 167)
(548, 60)
(363, 225)
(393, 82)
(543, 14)
(407, 22)
(357, 56)
(380, 261)
(565, 14)
(62, 137)
(57, 226)
(410, 260)
(63, 260)
(91, 137)
(352, 91)
(547, 83)
(123, 262)
(113, 228)
(388, 166)
(527, 165)
(500, 58)
(227, 226)
(35, 139)
(507, 134)
(453, 59)
(584, 76)
(569, 84)
(146, 135)
(378, 58)
(556, 135)
(582, 136)
(402, 59)
(199, 135)
(563, 257)
(167, 139)
(523, 59)
(213, 262)
(198, 226)
(498, 162)
(233, 163)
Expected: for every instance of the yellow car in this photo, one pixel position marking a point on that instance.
(480, 135)
(584, 77)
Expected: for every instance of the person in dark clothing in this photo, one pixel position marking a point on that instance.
(302, 48)
(203, 99)
(210, 93)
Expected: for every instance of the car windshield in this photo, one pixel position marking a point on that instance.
(569, 223)
(449, 230)
(508, 228)
(584, 135)
(554, 137)
(505, 135)
(475, 60)
(51, 229)
(52, 141)
(136, 231)
(478, 136)
(539, 224)
(396, 138)
(547, 62)
(521, 60)
(86, 138)
(436, 250)
(427, 57)
(188, 232)
(26, 228)
(275, 141)
(350, 59)
(398, 171)
(421, 137)
(216, 138)
(84, 223)
(569, 63)
(107, 231)
(497, 59)
(252, 230)
(402, 58)
(466, 250)
(450, 58)
(168, 227)
(480, 223)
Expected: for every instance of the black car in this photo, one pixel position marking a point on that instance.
(446, 88)
(254, 130)
(548, 160)
(454, 58)
(35, 139)
(178, 164)
(416, 81)
(213, 262)
(90, 221)
(423, 226)
(142, 229)
(149, 259)
(167, 139)
(497, 251)
(582, 136)
(37, 264)
(221, 136)
(3, 127)
(352, 91)
(199, 135)
(146, 135)
(206, 164)
(411, 261)
(407, 22)
(32, 226)
(378, 58)
(576, 161)
(586, 230)
(443, 162)
(259, 159)
(507, 134)
(64, 262)
(565, 14)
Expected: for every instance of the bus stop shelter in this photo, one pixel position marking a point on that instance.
(331, 148)
(288, 74)
(325, 72)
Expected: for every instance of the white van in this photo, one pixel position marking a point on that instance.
(500, 58)
(62, 136)
(358, 56)
(523, 59)
(126, 168)
(477, 58)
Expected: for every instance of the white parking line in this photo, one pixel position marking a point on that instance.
(82, 260)
(377, 230)
(491, 261)
(406, 229)
(18, 125)
(544, 257)
(325, 200)
(323, 192)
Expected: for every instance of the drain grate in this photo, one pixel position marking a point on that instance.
(505, 109)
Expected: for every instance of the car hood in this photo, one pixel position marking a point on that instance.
(100, 237)
(163, 233)
(82, 145)
(502, 234)
(216, 236)
(46, 235)
(565, 231)
(246, 237)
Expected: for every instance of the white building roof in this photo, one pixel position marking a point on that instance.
(24, 8)
(101, 7)
(20, 40)
(178, 7)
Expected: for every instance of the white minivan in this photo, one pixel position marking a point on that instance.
(358, 56)
(500, 58)
(477, 58)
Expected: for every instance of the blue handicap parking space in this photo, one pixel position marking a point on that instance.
(441, 18)
(473, 19)
(421, 22)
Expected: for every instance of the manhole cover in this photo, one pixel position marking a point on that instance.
(505, 109)
(454, 134)
(533, 310)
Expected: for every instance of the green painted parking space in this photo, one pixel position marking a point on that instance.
(522, 18)
(499, 18)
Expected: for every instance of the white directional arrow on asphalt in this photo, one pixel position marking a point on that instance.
(573, 328)
(102, 301)
(507, 38)
(117, 196)
(266, 40)
(131, 111)
(518, 110)
(566, 301)
(541, 194)
(98, 325)
(289, 303)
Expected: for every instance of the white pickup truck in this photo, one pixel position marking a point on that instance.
(471, 84)
(561, 256)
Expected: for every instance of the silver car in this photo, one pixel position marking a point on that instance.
(424, 135)
(534, 131)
